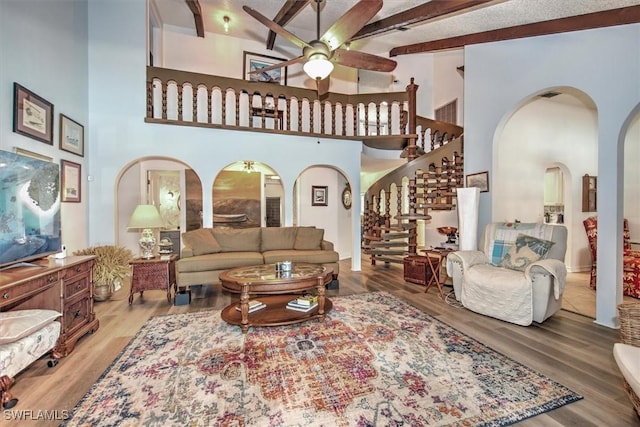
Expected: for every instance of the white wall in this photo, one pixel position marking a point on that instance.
(450, 81)
(43, 47)
(499, 76)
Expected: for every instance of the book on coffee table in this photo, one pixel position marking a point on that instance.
(293, 305)
(254, 305)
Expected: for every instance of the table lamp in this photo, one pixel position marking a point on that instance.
(146, 217)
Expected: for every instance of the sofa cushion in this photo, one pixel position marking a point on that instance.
(313, 256)
(525, 251)
(276, 238)
(219, 261)
(17, 324)
(238, 239)
(201, 241)
(309, 238)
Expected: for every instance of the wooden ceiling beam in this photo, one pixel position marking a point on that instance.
(196, 9)
(607, 18)
(421, 13)
(288, 11)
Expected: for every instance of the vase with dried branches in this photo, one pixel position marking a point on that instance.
(112, 265)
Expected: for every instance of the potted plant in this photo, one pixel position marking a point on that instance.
(112, 265)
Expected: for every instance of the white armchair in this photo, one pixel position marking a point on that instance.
(517, 276)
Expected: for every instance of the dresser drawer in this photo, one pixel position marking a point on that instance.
(76, 286)
(76, 315)
(75, 270)
(26, 289)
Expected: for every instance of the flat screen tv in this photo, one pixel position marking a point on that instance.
(29, 209)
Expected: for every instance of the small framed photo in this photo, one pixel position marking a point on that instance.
(71, 180)
(318, 195)
(480, 180)
(255, 61)
(71, 136)
(32, 115)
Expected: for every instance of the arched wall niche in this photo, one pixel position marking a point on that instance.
(247, 193)
(334, 218)
(141, 181)
(553, 126)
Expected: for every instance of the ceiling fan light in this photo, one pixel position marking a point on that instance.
(318, 67)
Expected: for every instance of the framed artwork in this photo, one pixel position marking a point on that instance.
(32, 115)
(318, 195)
(480, 180)
(71, 136)
(31, 154)
(255, 61)
(71, 179)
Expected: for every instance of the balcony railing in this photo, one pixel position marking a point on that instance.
(179, 97)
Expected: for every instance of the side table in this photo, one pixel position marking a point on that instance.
(154, 273)
(436, 257)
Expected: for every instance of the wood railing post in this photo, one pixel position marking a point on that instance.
(412, 89)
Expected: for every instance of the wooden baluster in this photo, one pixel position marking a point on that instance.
(312, 108)
(180, 88)
(377, 119)
(194, 96)
(237, 112)
(356, 115)
(366, 120)
(389, 127)
(333, 118)
(164, 101)
(287, 119)
(149, 99)
(210, 105)
(413, 241)
(399, 201)
(344, 119)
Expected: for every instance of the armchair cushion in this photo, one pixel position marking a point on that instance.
(525, 251)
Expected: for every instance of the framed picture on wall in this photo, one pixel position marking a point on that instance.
(71, 136)
(32, 115)
(480, 180)
(318, 195)
(71, 179)
(256, 61)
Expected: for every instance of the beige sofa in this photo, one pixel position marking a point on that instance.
(207, 252)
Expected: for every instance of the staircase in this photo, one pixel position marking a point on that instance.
(396, 202)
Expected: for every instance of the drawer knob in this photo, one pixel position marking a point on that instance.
(52, 279)
(6, 295)
(78, 269)
(77, 314)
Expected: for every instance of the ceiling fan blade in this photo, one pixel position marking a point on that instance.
(362, 60)
(276, 28)
(351, 22)
(278, 65)
(323, 86)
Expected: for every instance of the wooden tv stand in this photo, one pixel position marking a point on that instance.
(65, 285)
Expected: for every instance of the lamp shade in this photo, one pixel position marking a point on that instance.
(318, 67)
(146, 216)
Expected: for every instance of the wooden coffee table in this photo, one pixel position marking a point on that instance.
(275, 290)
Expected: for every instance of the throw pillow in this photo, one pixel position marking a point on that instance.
(238, 239)
(309, 239)
(278, 238)
(18, 324)
(201, 241)
(525, 251)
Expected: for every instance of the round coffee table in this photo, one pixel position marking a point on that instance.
(275, 290)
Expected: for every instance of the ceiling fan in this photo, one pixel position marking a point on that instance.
(320, 55)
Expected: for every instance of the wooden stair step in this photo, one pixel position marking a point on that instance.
(398, 227)
(371, 237)
(389, 236)
(388, 244)
(412, 216)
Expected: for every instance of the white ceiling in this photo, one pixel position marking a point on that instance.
(489, 16)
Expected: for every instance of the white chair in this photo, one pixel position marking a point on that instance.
(505, 280)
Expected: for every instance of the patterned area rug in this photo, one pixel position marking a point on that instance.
(374, 361)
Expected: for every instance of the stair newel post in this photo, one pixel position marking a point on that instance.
(412, 151)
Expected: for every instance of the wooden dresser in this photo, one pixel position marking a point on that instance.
(64, 285)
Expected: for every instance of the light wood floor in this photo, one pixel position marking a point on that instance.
(568, 348)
